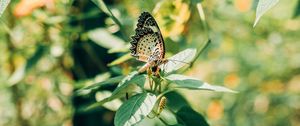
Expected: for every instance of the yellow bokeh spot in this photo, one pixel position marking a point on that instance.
(243, 5)
(178, 14)
(215, 110)
(232, 80)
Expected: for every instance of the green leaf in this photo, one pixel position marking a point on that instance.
(135, 109)
(175, 100)
(120, 49)
(3, 5)
(192, 83)
(105, 39)
(202, 17)
(19, 74)
(97, 85)
(190, 117)
(127, 85)
(168, 117)
(102, 6)
(120, 60)
(112, 105)
(178, 60)
(262, 7)
(133, 77)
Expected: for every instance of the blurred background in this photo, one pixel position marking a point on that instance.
(51, 48)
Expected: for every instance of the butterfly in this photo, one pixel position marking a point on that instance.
(147, 44)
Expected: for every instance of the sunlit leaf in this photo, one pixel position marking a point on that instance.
(19, 74)
(135, 109)
(97, 85)
(201, 12)
(102, 6)
(105, 39)
(119, 49)
(179, 60)
(112, 105)
(169, 117)
(262, 7)
(120, 60)
(193, 83)
(3, 5)
(190, 117)
(133, 77)
(127, 85)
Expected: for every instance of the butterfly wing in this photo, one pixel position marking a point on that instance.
(148, 43)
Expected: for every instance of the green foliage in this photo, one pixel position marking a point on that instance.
(135, 109)
(98, 85)
(193, 83)
(178, 60)
(105, 39)
(3, 5)
(60, 58)
(262, 7)
(191, 117)
(125, 86)
(140, 105)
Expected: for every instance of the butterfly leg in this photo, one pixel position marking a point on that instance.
(156, 72)
(144, 68)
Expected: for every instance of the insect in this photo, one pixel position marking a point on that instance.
(147, 44)
(161, 105)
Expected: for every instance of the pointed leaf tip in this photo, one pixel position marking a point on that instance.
(193, 83)
(262, 7)
(3, 5)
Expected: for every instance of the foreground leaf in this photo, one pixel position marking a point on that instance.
(112, 105)
(168, 116)
(3, 5)
(98, 85)
(122, 49)
(192, 83)
(105, 39)
(133, 77)
(190, 117)
(135, 109)
(262, 7)
(125, 86)
(179, 60)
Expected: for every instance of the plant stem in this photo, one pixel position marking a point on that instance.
(165, 92)
(200, 51)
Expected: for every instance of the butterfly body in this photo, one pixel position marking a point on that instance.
(148, 44)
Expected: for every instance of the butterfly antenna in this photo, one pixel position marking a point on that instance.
(179, 61)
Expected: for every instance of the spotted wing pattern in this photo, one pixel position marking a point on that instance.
(147, 44)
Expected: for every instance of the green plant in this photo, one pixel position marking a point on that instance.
(144, 93)
(149, 101)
